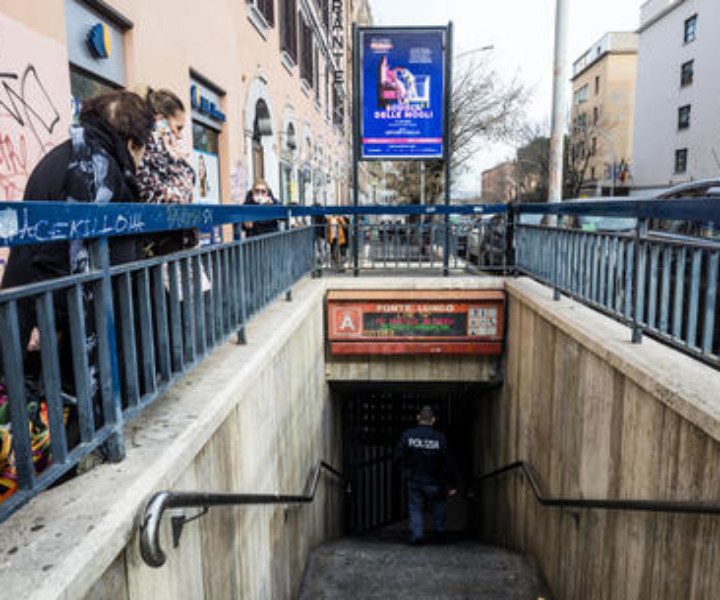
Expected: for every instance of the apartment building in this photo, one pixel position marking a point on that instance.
(677, 125)
(603, 87)
(265, 82)
(500, 184)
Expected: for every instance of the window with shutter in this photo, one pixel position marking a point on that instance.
(338, 107)
(288, 27)
(316, 73)
(325, 8)
(267, 8)
(262, 14)
(307, 71)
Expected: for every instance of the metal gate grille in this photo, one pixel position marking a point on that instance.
(373, 419)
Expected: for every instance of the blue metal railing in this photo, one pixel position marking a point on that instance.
(111, 340)
(659, 284)
(151, 321)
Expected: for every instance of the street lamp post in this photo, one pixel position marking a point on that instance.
(473, 51)
(560, 77)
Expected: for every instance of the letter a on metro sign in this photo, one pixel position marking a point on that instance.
(348, 322)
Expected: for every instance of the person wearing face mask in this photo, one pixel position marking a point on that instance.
(165, 175)
(96, 165)
(260, 195)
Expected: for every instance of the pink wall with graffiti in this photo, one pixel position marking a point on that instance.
(34, 102)
(35, 108)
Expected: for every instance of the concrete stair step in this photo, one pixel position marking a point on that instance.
(383, 568)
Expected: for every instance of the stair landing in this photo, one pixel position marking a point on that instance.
(377, 569)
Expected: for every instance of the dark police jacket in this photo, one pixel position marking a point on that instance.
(425, 457)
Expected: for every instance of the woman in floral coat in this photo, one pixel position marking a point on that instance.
(165, 175)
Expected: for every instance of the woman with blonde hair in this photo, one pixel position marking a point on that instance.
(260, 195)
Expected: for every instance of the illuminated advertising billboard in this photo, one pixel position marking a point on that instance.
(402, 86)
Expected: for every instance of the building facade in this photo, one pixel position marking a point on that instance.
(603, 87)
(499, 184)
(677, 125)
(265, 83)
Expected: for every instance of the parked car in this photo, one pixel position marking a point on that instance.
(486, 242)
(461, 228)
(702, 188)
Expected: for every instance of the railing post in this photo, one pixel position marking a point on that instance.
(555, 260)
(356, 246)
(12, 367)
(356, 126)
(640, 258)
(447, 133)
(319, 235)
(446, 248)
(510, 267)
(237, 236)
(107, 350)
(287, 257)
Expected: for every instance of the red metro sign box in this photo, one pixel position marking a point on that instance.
(416, 322)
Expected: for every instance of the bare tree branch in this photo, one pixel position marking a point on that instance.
(485, 108)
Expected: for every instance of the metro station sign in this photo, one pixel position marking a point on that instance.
(416, 322)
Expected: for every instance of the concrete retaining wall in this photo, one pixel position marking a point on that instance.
(599, 417)
(251, 418)
(595, 415)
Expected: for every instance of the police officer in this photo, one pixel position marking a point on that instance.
(428, 469)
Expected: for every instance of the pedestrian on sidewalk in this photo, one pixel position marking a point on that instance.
(165, 175)
(97, 165)
(337, 233)
(260, 195)
(428, 472)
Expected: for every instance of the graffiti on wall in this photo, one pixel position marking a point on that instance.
(29, 120)
(35, 110)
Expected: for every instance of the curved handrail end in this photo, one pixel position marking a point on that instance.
(150, 549)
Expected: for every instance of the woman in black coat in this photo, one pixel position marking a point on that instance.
(97, 164)
(260, 195)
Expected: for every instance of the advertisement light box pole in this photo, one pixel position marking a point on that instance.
(402, 82)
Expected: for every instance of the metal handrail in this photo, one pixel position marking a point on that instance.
(150, 549)
(698, 507)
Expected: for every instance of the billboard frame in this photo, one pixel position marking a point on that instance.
(358, 92)
(357, 126)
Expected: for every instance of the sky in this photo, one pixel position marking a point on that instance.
(522, 33)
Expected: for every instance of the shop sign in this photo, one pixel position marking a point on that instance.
(417, 322)
(338, 40)
(98, 41)
(204, 105)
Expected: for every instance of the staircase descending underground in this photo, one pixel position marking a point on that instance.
(384, 567)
